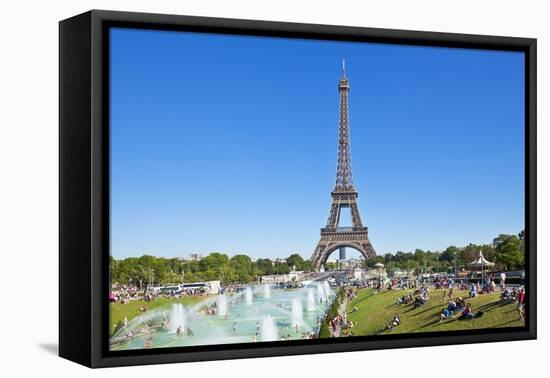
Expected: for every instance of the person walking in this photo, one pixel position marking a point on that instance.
(503, 281)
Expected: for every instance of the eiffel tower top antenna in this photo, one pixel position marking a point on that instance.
(344, 67)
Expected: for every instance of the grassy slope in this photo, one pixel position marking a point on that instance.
(375, 309)
(130, 310)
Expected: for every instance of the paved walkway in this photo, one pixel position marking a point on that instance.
(342, 313)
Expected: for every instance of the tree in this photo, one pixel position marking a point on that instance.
(264, 267)
(307, 266)
(370, 263)
(509, 251)
(409, 265)
(449, 254)
(295, 260)
(421, 261)
(242, 267)
(213, 261)
(281, 268)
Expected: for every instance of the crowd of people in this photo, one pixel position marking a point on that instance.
(455, 308)
(515, 295)
(339, 325)
(126, 293)
(418, 297)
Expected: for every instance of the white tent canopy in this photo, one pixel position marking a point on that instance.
(481, 261)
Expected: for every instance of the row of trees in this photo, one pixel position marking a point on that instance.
(507, 251)
(216, 266)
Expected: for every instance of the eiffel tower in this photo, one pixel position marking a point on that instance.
(344, 195)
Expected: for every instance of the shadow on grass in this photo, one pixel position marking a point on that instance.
(506, 324)
(365, 298)
(433, 323)
(490, 306)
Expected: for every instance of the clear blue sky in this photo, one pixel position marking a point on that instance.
(228, 143)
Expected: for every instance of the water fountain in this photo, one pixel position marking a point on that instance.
(267, 291)
(177, 317)
(296, 315)
(269, 330)
(263, 320)
(248, 296)
(321, 294)
(327, 289)
(222, 304)
(310, 300)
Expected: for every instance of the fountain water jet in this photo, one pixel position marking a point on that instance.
(222, 305)
(310, 300)
(269, 330)
(177, 317)
(248, 295)
(327, 289)
(321, 295)
(267, 291)
(296, 315)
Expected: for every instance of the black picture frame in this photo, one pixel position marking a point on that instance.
(84, 186)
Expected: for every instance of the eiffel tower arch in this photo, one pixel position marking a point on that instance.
(344, 195)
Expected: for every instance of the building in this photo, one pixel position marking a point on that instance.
(192, 257)
(292, 277)
(351, 263)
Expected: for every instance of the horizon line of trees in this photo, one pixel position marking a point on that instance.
(506, 251)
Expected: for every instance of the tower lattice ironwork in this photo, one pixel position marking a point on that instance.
(344, 195)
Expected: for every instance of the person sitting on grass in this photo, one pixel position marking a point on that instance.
(395, 322)
(506, 295)
(419, 301)
(460, 304)
(452, 306)
(445, 314)
(466, 313)
(405, 299)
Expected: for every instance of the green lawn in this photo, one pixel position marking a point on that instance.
(119, 311)
(377, 308)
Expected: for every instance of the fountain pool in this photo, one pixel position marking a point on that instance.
(255, 314)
